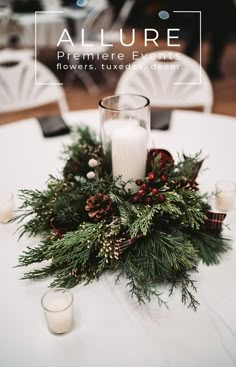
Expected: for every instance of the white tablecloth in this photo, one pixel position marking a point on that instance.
(111, 329)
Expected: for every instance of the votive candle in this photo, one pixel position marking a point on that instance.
(58, 310)
(225, 195)
(6, 207)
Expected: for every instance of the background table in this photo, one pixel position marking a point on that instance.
(49, 25)
(112, 329)
(49, 29)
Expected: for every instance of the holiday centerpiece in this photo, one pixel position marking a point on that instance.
(123, 208)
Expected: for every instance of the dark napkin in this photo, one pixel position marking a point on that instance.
(53, 126)
(160, 120)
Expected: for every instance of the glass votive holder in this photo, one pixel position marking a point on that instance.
(225, 195)
(125, 128)
(58, 309)
(6, 206)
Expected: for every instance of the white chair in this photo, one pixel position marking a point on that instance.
(168, 79)
(96, 19)
(112, 28)
(9, 27)
(99, 17)
(102, 17)
(15, 55)
(52, 5)
(18, 90)
(123, 14)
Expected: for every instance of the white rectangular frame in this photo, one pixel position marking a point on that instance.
(35, 44)
(174, 11)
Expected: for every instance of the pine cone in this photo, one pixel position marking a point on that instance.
(99, 206)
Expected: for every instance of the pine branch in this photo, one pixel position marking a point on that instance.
(210, 247)
(162, 258)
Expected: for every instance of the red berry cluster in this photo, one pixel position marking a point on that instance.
(148, 193)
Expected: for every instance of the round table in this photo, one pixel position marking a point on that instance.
(111, 328)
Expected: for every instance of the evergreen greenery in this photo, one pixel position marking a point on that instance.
(167, 237)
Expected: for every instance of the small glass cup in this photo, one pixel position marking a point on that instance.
(225, 195)
(125, 131)
(6, 206)
(58, 309)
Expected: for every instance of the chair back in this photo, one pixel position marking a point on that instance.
(103, 18)
(123, 14)
(168, 79)
(96, 20)
(52, 5)
(21, 88)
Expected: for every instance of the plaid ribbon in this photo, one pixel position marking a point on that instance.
(122, 246)
(213, 221)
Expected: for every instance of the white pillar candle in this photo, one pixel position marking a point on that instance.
(59, 316)
(129, 152)
(116, 124)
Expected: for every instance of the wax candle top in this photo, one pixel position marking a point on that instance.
(57, 305)
(129, 131)
(57, 300)
(116, 124)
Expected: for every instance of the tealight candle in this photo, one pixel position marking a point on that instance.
(225, 195)
(58, 310)
(6, 207)
(129, 152)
